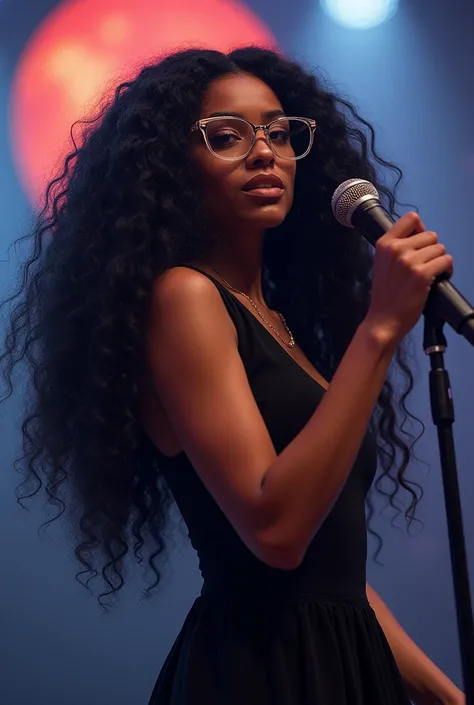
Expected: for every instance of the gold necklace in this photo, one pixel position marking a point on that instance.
(291, 343)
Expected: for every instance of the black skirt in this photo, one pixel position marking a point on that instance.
(310, 650)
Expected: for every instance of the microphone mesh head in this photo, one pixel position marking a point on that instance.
(347, 197)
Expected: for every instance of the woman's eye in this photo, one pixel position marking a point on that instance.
(223, 138)
(281, 136)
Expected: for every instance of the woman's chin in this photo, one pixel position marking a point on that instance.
(268, 216)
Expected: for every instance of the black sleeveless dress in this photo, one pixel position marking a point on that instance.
(258, 635)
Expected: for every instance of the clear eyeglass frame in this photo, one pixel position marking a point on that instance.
(201, 125)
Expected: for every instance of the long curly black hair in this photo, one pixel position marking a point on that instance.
(126, 207)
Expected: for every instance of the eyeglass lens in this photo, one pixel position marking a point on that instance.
(232, 137)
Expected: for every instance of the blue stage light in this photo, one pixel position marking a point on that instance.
(360, 14)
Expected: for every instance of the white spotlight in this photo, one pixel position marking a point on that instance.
(360, 14)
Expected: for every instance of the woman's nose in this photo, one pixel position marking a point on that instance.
(261, 150)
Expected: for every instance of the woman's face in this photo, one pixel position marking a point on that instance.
(226, 183)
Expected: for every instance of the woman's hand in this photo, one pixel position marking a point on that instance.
(454, 697)
(458, 698)
(446, 694)
(407, 261)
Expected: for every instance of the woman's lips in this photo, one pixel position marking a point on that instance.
(264, 182)
(265, 192)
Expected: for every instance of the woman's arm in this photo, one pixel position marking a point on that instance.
(426, 684)
(276, 503)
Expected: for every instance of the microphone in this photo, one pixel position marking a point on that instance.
(356, 204)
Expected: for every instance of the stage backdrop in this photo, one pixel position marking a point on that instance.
(411, 77)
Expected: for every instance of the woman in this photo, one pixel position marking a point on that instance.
(192, 299)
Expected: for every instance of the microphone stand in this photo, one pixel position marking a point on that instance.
(442, 411)
(356, 203)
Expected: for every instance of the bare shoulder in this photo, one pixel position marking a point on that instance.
(182, 284)
(182, 295)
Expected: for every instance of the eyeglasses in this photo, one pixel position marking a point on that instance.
(233, 138)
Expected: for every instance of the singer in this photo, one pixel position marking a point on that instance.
(201, 329)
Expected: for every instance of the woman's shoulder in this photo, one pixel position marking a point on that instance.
(182, 294)
(182, 281)
(189, 286)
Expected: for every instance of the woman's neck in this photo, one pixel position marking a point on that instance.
(240, 265)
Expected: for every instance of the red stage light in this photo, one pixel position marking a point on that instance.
(84, 45)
